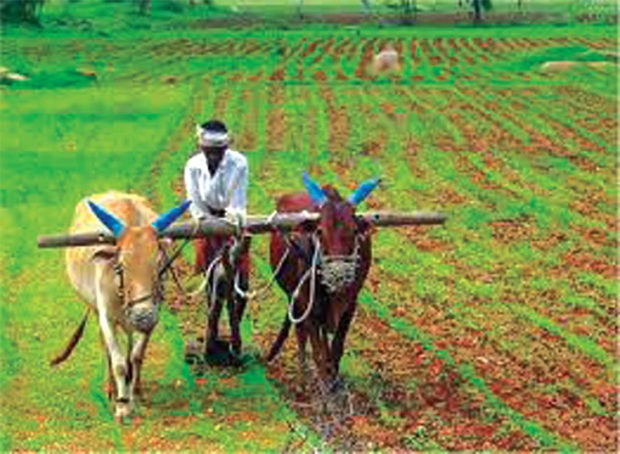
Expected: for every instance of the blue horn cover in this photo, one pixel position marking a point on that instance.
(363, 191)
(115, 225)
(165, 219)
(316, 192)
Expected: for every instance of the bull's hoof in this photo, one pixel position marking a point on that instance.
(218, 353)
(217, 347)
(122, 412)
(235, 360)
(194, 352)
(336, 385)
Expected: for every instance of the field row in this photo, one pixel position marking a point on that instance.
(335, 59)
(496, 331)
(479, 318)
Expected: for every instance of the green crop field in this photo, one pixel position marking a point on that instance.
(496, 331)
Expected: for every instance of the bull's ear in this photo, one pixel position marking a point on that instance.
(113, 223)
(164, 220)
(316, 192)
(363, 191)
(105, 255)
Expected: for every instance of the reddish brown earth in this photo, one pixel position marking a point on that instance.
(276, 118)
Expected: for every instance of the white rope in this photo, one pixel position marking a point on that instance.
(214, 283)
(312, 273)
(259, 292)
(200, 289)
(203, 285)
(271, 217)
(205, 281)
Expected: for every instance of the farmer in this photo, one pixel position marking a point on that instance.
(216, 180)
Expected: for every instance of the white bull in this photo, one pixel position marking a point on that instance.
(121, 282)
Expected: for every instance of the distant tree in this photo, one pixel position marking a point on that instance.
(20, 10)
(406, 8)
(478, 6)
(300, 4)
(144, 6)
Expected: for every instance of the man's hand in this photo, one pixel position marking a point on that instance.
(238, 219)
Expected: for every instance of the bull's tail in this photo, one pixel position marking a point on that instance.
(279, 342)
(77, 335)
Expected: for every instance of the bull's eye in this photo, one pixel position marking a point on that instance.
(118, 274)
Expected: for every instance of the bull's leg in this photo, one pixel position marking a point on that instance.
(279, 342)
(244, 276)
(236, 310)
(330, 373)
(319, 351)
(119, 367)
(212, 326)
(119, 362)
(136, 358)
(302, 339)
(109, 386)
(110, 381)
(233, 321)
(337, 346)
(214, 305)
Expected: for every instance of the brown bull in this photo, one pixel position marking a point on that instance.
(322, 269)
(121, 282)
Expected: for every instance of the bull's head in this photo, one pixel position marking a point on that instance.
(135, 260)
(339, 228)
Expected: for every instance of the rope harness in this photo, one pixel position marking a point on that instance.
(156, 295)
(339, 271)
(215, 283)
(236, 284)
(311, 272)
(336, 272)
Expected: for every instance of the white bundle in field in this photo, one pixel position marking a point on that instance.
(7, 75)
(386, 61)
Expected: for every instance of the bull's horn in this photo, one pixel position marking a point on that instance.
(165, 219)
(113, 223)
(363, 191)
(316, 192)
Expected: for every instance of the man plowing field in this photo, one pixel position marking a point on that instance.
(321, 265)
(216, 180)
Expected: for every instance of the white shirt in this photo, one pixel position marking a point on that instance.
(225, 190)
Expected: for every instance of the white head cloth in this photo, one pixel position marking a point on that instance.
(211, 138)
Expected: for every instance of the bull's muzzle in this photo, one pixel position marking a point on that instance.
(143, 317)
(337, 273)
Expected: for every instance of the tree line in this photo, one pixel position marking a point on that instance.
(28, 10)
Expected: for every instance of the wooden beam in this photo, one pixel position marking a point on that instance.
(395, 219)
(254, 225)
(75, 239)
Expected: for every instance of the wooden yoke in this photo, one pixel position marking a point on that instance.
(253, 225)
